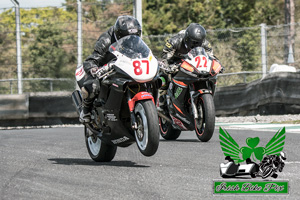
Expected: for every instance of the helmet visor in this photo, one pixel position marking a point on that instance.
(195, 43)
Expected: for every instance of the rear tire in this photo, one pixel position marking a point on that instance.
(147, 134)
(167, 131)
(98, 150)
(205, 125)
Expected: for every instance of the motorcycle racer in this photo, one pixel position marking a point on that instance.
(176, 48)
(124, 25)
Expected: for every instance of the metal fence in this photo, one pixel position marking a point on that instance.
(240, 50)
(9, 86)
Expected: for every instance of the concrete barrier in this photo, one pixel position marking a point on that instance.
(277, 93)
(14, 106)
(52, 104)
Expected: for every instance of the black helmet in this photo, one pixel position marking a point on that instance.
(194, 35)
(127, 25)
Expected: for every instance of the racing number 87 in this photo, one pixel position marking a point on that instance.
(137, 66)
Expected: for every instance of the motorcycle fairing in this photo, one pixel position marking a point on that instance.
(179, 114)
(116, 106)
(141, 70)
(134, 58)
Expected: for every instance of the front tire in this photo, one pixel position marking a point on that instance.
(205, 124)
(167, 131)
(98, 150)
(147, 133)
(267, 171)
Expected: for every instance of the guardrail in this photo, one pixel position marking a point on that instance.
(68, 84)
(234, 78)
(9, 86)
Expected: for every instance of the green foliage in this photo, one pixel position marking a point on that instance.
(7, 44)
(171, 16)
(47, 54)
(49, 35)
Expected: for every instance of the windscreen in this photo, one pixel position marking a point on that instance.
(131, 46)
(197, 51)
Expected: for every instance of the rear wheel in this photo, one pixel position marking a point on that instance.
(167, 131)
(147, 133)
(98, 150)
(205, 124)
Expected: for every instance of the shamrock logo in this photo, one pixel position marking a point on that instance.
(232, 149)
(252, 148)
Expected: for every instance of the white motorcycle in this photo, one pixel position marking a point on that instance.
(124, 111)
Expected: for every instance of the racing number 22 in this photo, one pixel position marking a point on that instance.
(137, 67)
(199, 63)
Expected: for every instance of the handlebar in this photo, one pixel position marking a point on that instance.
(105, 70)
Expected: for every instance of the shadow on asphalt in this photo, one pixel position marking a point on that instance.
(180, 140)
(78, 161)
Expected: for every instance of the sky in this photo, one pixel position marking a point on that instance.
(31, 3)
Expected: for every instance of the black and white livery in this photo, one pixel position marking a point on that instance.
(124, 109)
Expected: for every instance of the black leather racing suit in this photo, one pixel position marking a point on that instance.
(173, 51)
(175, 48)
(98, 58)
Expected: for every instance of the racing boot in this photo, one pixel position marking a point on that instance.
(85, 114)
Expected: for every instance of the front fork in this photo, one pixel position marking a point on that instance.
(131, 104)
(194, 107)
(193, 95)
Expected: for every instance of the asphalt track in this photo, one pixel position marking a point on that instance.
(53, 163)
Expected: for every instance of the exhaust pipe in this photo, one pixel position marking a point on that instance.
(164, 117)
(77, 100)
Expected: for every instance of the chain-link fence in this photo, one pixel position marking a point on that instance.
(240, 50)
(49, 44)
(9, 86)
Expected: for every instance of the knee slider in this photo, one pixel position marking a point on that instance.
(84, 93)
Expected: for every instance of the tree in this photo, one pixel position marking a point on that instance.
(171, 16)
(47, 54)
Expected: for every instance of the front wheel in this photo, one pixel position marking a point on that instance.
(167, 131)
(98, 150)
(147, 133)
(205, 124)
(267, 171)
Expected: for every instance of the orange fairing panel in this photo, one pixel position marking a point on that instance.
(180, 83)
(178, 108)
(187, 66)
(215, 68)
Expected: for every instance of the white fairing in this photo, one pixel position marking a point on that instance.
(79, 73)
(201, 62)
(141, 70)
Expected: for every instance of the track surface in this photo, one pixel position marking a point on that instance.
(53, 163)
